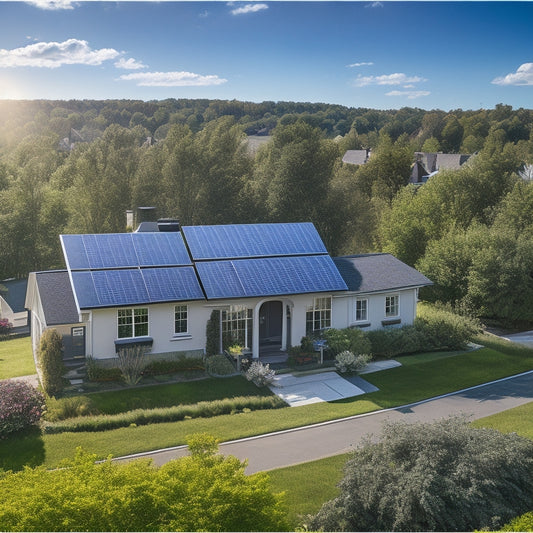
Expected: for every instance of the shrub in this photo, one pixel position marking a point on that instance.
(218, 365)
(141, 417)
(5, 328)
(50, 360)
(169, 366)
(260, 374)
(131, 363)
(520, 523)
(63, 408)
(349, 339)
(21, 406)
(348, 362)
(440, 476)
(97, 372)
(212, 333)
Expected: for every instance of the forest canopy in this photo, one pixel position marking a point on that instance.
(76, 166)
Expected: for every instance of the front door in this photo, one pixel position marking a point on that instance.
(74, 344)
(270, 323)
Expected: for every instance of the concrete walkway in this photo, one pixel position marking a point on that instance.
(286, 448)
(325, 386)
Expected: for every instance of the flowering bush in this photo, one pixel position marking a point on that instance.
(349, 362)
(260, 374)
(5, 327)
(21, 406)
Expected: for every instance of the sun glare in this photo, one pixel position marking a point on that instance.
(11, 90)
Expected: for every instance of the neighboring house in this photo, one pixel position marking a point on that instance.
(428, 164)
(272, 283)
(68, 143)
(356, 157)
(12, 302)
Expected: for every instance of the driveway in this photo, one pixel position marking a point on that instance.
(286, 448)
(525, 338)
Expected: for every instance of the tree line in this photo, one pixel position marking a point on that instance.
(466, 229)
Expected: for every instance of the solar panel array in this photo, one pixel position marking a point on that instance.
(233, 261)
(271, 276)
(130, 268)
(236, 241)
(124, 250)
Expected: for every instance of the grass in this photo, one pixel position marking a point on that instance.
(16, 358)
(518, 420)
(398, 386)
(308, 485)
(168, 395)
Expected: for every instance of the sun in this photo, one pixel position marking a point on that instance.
(10, 89)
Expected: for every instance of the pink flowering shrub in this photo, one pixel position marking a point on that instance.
(21, 406)
(5, 327)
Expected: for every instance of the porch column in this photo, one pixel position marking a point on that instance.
(255, 343)
(283, 326)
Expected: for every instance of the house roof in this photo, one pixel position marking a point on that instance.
(57, 297)
(16, 293)
(355, 157)
(378, 272)
(198, 263)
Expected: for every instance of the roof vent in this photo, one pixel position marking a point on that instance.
(168, 224)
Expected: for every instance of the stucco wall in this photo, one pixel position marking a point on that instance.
(343, 312)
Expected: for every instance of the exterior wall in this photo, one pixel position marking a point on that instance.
(102, 330)
(343, 309)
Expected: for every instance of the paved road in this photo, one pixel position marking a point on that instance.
(290, 447)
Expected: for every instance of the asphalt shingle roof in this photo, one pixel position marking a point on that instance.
(57, 297)
(378, 272)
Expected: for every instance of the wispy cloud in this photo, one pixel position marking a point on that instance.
(411, 95)
(375, 4)
(51, 4)
(54, 55)
(361, 64)
(523, 76)
(172, 79)
(397, 78)
(248, 8)
(129, 64)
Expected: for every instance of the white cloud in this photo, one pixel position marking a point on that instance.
(375, 4)
(51, 4)
(523, 76)
(411, 95)
(387, 79)
(54, 55)
(172, 79)
(362, 64)
(248, 8)
(129, 64)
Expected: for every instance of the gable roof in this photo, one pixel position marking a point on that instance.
(378, 272)
(355, 157)
(57, 297)
(16, 293)
(198, 263)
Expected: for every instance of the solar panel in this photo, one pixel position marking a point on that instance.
(172, 284)
(124, 250)
(253, 240)
(111, 288)
(269, 276)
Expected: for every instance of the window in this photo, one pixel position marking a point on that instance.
(361, 309)
(392, 305)
(180, 319)
(318, 315)
(132, 322)
(237, 326)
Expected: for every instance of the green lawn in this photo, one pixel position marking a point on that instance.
(16, 358)
(518, 420)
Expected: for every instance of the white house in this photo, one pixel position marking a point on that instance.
(271, 283)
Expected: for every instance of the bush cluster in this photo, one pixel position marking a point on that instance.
(21, 406)
(181, 364)
(260, 374)
(350, 339)
(72, 407)
(141, 417)
(348, 362)
(5, 328)
(219, 365)
(50, 359)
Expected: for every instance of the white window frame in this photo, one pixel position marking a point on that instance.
(181, 308)
(392, 306)
(130, 312)
(237, 321)
(357, 310)
(319, 314)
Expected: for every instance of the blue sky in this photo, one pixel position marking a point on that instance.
(382, 55)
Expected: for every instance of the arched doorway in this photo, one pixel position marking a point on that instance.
(270, 328)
